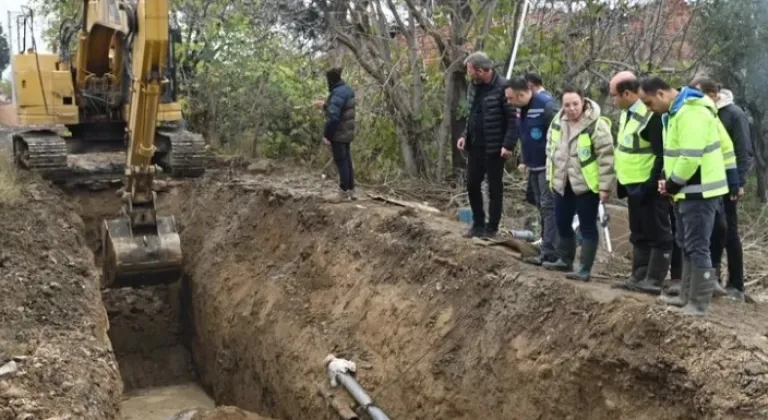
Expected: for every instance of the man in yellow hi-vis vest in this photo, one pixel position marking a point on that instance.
(695, 177)
(639, 158)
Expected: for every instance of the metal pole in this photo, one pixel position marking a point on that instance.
(10, 33)
(518, 38)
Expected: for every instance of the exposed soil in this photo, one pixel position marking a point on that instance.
(54, 326)
(439, 327)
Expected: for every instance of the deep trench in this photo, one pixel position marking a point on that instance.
(151, 330)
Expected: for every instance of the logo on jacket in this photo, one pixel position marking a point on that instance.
(584, 153)
(536, 133)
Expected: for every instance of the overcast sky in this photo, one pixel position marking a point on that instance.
(14, 6)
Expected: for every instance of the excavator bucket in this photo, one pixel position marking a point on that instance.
(140, 258)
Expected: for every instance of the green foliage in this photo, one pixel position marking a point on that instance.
(5, 51)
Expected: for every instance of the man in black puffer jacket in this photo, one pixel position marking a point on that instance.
(490, 125)
(340, 131)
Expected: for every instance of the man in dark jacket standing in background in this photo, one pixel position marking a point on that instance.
(536, 112)
(490, 125)
(339, 132)
(737, 125)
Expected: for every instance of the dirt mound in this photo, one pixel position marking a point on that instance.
(54, 327)
(439, 327)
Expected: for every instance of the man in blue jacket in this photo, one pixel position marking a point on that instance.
(339, 131)
(536, 113)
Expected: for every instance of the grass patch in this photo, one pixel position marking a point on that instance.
(10, 182)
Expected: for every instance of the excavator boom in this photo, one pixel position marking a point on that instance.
(141, 247)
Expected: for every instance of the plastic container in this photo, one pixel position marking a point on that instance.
(523, 235)
(465, 215)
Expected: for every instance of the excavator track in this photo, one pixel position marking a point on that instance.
(41, 151)
(187, 157)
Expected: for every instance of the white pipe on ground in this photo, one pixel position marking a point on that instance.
(338, 371)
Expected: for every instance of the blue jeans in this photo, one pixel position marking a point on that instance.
(585, 206)
(542, 195)
(343, 159)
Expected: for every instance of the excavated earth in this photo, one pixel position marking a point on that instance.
(276, 279)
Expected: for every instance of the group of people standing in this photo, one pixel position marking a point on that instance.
(680, 158)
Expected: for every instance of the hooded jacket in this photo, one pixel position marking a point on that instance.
(686, 122)
(737, 124)
(564, 164)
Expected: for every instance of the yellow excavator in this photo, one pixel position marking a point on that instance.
(117, 94)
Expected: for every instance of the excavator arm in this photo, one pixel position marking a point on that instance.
(141, 247)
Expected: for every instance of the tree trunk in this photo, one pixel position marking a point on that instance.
(458, 122)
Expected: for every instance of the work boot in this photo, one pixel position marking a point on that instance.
(539, 260)
(475, 231)
(339, 196)
(587, 257)
(735, 294)
(490, 233)
(657, 271)
(702, 285)
(351, 195)
(566, 248)
(640, 260)
(681, 299)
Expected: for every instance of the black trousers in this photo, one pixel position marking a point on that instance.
(343, 160)
(725, 237)
(649, 222)
(676, 263)
(480, 165)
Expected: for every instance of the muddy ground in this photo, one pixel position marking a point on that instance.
(275, 280)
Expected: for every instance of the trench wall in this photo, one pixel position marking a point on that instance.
(439, 327)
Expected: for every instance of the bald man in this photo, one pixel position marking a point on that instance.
(639, 158)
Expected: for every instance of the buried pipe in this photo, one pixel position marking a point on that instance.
(339, 372)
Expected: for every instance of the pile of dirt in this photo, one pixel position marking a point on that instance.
(53, 334)
(439, 327)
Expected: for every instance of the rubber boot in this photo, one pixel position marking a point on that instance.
(674, 287)
(702, 285)
(657, 271)
(566, 248)
(640, 260)
(681, 299)
(587, 257)
(719, 290)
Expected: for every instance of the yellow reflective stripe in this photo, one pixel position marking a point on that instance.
(731, 166)
(693, 152)
(727, 155)
(702, 188)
